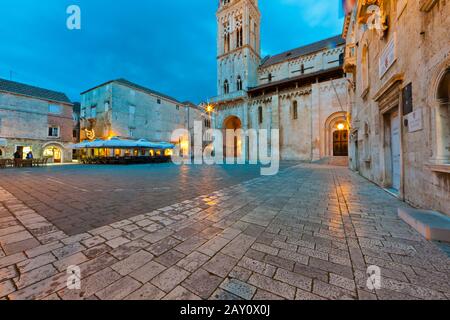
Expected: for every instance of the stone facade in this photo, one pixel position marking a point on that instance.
(301, 92)
(123, 109)
(25, 121)
(399, 100)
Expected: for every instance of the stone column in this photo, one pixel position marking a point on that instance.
(315, 122)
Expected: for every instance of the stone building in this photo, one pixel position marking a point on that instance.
(76, 127)
(398, 62)
(124, 109)
(76, 122)
(302, 92)
(34, 119)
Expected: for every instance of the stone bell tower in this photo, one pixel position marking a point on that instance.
(238, 45)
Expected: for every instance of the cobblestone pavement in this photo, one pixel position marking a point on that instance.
(77, 199)
(308, 233)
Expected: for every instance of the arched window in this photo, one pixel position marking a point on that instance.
(260, 115)
(226, 43)
(226, 87)
(295, 110)
(239, 37)
(226, 37)
(239, 83)
(442, 154)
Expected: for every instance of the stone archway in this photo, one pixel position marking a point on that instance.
(232, 147)
(54, 151)
(443, 119)
(337, 135)
(439, 101)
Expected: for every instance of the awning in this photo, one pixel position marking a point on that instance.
(117, 143)
(3, 142)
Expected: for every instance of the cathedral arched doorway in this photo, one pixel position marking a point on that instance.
(232, 143)
(337, 135)
(340, 141)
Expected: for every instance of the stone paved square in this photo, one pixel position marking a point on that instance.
(308, 233)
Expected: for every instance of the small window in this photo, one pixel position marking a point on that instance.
(1, 152)
(260, 115)
(269, 77)
(158, 101)
(75, 134)
(302, 69)
(83, 113)
(53, 132)
(295, 110)
(178, 107)
(341, 59)
(55, 109)
(106, 106)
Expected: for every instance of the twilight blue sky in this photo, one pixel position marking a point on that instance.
(169, 46)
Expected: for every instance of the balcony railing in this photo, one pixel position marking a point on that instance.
(229, 96)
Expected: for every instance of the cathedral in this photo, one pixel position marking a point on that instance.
(301, 92)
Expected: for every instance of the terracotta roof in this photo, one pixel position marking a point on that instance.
(135, 86)
(304, 50)
(34, 92)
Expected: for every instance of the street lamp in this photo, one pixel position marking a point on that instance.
(209, 108)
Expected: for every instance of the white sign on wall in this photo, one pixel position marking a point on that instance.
(388, 57)
(415, 122)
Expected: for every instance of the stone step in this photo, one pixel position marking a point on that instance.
(333, 161)
(339, 161)
(434, 226)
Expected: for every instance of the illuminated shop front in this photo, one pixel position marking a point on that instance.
(123, 151)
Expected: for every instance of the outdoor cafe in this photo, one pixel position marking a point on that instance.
(22, 163)
(123, 151)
